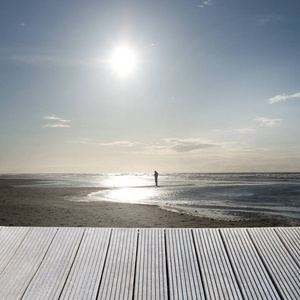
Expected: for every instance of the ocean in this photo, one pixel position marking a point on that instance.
(223, 195)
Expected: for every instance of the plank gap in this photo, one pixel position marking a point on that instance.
(135, 266)
(198, 263)
(105, 260)
(167, 266)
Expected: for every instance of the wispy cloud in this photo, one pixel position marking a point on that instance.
(56, 122)
(205, 4)
(264, 20)
(269, 18)
(187, 145)
(283, 97)
(268, 122)
(119, 144)
(56, 125)
(244, 130)
(176, 145)
(56, 119)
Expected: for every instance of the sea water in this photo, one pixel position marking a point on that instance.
(212, 195)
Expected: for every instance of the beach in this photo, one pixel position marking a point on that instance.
(66, 207)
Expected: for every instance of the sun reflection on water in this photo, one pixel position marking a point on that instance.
(131, 195)
(127, 181)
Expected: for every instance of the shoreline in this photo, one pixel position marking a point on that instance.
(68, 207)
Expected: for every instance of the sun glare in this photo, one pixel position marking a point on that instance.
(124, 60)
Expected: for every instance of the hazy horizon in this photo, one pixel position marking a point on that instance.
(133, 86)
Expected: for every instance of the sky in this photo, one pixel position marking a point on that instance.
(199, 86)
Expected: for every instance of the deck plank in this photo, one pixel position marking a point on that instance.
(22, 267)
(51, 275)
(118, 275)
(10, 240)
(218, 277)
(84, 278)
(151, 276)
(184, 274)
(114, 263)
(249, 270)
(291, 239)
(279, 263)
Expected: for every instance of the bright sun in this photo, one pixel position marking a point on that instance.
(124, 60)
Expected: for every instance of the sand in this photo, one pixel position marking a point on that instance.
(24, 206)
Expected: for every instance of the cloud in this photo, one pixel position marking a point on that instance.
(205, 4)
(175, 145)
(56, 119)
(51, 118)
(55, 125)
(269, 18)
(268, 122)
(264, 21)
(244, 130)
(57, 122)
(283, 97)
(187, 145)
(119, 144)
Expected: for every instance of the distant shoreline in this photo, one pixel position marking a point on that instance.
(48, 206)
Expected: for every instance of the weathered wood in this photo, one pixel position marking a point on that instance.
(151, 276)
(118, 276)
(282, 268)
(22, 267)
(291, 239)
(106, 263)
(84, 278)
(218, 277)
(49, 279)
(10, 240)
(184, 275)
(249, 270)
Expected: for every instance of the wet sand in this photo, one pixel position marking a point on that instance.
(23, 206)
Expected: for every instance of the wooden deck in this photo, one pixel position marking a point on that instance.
(105, 263)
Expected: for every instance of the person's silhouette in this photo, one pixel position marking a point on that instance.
(156, 178)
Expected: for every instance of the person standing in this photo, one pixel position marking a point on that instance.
(156, 178)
